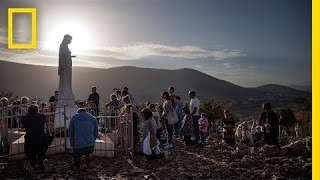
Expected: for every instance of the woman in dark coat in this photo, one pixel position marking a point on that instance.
(36, 141)
(269, 120)
(227, 122)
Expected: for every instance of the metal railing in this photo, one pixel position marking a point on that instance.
(115, 131)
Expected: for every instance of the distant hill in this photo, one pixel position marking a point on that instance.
(145, 84)
(302, 88)
(282, 90)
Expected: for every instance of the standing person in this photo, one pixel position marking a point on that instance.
(149, 129)
(172, 96)
(203, 128)
(119, 95)
(156, 117)
(148, 104)
(167, 107)
(114, 103)
(24, 100)
(270, 122)
(135, 127)
(94, 99)
(132, 100)
(36, 141)
(187, 126)
(83, 132)
(194, 110)
(228, 124)
(54, 98)
(4, 124)
(178, 110)
(24, 105)
(124, 93)
(53, 101)
(6, 111)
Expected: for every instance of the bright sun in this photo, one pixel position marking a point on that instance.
(80, 37)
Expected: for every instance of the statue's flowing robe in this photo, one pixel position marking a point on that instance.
(66, 95)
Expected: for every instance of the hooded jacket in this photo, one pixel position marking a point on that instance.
(83, 130)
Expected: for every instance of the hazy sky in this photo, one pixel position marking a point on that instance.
(246, 42)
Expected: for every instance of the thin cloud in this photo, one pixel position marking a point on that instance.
(144, 50)
(141, 50)
(231, 65)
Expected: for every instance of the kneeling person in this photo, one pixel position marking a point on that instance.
(36, 144)
(83, 132)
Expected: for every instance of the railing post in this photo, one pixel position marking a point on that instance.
(3, 127)
(65, 127)
(131, 132)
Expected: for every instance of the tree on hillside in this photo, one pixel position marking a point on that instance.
(10, 95)
(304, 120)
(287, 119)
(213, 110)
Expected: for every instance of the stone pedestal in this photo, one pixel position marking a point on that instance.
(59, 116)
(104, 147)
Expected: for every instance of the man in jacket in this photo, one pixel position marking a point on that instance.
(83, 132)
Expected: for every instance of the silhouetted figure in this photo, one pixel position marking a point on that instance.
(172, 96)
(36, 140)
(227, 122)
(94, 99)
(114, 103)
(132, 99)
(66, 95)
(270, 122)
(53, 101)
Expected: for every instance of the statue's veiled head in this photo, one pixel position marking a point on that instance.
(67, 39)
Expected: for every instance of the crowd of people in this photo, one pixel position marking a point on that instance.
(161, 124)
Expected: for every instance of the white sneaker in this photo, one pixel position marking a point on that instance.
(47, 165)
(28, 168)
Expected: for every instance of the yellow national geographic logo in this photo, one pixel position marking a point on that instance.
(33, 44)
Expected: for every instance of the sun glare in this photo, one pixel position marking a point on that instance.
(80, 37)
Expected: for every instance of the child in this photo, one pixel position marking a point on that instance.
(187, 126)
(203, 128)
(156, 117)
(258, 137)
(178, 110)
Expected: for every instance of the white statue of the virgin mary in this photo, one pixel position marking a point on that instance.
(66, 95)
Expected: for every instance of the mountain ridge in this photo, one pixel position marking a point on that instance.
(145, 83)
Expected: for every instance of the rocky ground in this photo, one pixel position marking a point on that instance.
(214, 161)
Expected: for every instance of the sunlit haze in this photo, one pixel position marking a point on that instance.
(248, 43)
